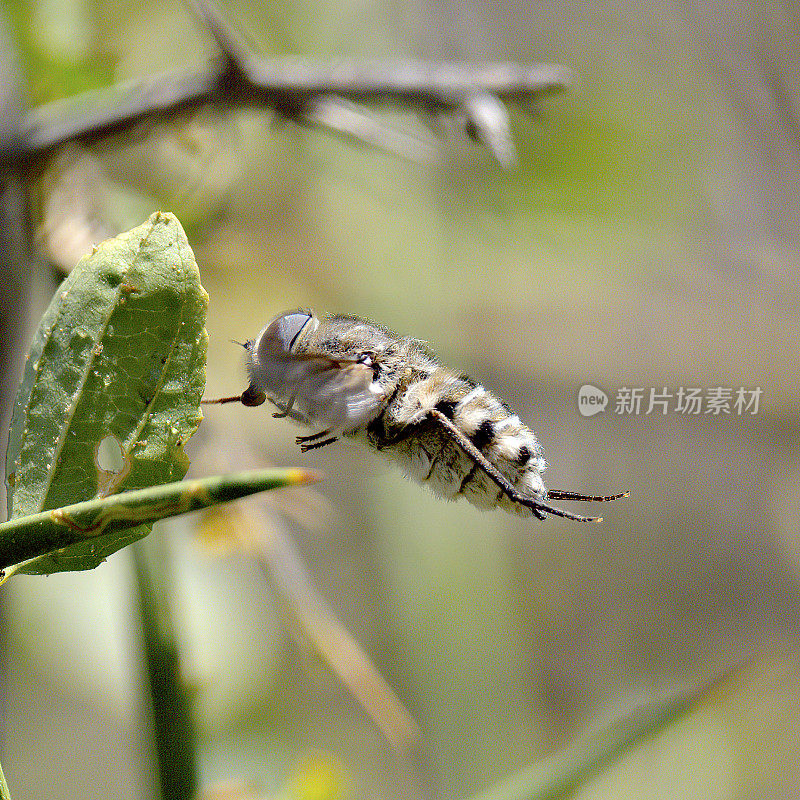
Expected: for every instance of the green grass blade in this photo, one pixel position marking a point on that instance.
(4, 793)
(562, 774)
(98, 524)
(113, 381)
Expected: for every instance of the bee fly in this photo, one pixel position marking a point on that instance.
(350, 377)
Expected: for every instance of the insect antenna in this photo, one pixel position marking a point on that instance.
(557, 494)
(219, 401)
(249, 397)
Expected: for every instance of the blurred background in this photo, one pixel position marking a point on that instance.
(647, 239)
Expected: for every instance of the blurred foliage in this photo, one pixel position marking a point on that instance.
(319, 777)
(60, 47)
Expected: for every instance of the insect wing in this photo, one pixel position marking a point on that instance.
(280, 375)
(337, 393)
(344, 396)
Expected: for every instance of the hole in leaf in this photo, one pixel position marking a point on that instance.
(113, 464)
(109, 456)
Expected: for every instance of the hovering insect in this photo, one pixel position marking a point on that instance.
(349, 377)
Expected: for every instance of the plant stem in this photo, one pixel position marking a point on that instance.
(173, 727)
(24, 538)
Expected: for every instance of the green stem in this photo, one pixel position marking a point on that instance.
(24, 538)
(173, 726)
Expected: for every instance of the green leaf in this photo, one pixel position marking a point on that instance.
(97, 525)
(113, 383)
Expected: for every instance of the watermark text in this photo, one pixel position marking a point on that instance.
(686, 400)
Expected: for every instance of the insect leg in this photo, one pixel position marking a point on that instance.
(557, 494)
(304, 448)
(284, 411)
(538, 508)
(288, 412)
(304, 440)
(301, 439)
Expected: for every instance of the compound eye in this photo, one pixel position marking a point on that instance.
(281, 335)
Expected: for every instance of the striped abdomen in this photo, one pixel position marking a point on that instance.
(430, 455)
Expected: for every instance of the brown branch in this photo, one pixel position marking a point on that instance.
(293, 88)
